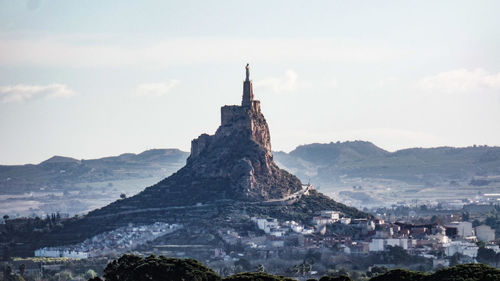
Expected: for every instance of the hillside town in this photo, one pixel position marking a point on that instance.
(435, 241)
(447, 241)
(118, 241)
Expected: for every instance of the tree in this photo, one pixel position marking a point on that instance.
(465, 216)
(244, 264)
(153, 268)
(397, 255)
(63, 276)
(376, 270)
(7, 270)
(123, 196)
(22, 269)
(335, 278)
(481, 244)
(6, 217)
(435, 219)
(90, 274)
(455, 259)
(312, 256)
(260, 268)
(469, 272)
(343, 272)
(399, 275)
(256, 276)
(301, 269)
(485, 255)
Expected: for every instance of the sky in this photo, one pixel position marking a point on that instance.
(89, 79)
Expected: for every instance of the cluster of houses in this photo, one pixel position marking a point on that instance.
(120, 240)
(434, 241)
(329, 228)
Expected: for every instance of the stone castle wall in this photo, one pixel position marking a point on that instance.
(199, 144)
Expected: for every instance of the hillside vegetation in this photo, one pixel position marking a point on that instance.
(154, 268)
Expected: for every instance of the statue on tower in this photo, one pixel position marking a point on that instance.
(248, 72)
(247, 89)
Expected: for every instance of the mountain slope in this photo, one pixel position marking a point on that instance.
(57, 172)
(325, 163)
(235, 163)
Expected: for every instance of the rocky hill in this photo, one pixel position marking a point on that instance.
(229, 177)
(236, 163)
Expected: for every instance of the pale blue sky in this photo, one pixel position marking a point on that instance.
(96, 78)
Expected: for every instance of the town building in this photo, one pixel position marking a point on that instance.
(460, 229)
(485, 233)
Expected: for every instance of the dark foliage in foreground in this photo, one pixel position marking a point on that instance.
(135, 268)
(256, 276)
(338, 278)
(400, 275)
(152, 268)
(463, 272)
(469, 272)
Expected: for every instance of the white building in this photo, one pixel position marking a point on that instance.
(363, 224)
(345, 220)
(401, 242)
(297, 228)
(60, 253)
(266, 224)
(294, 226)
(377, 245)
(485, 233)
(322, 221)
(308, 230)
(464, 248)
(439, 238)
(277, 232)
(334, 215)
(463, 228)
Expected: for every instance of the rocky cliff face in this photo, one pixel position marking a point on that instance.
(240, 154)
(235, 163)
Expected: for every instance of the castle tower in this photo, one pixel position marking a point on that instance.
(247, 89)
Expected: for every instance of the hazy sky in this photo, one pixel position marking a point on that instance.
(89, 79)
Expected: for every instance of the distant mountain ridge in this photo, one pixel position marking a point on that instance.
(329, 153)
(324, 163)
(318, 162)
(57, 171)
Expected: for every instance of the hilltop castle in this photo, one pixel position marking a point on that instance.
(245, 119)
(239, 154)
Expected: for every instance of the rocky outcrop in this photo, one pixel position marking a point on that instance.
(235, 163)
(240, 153)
